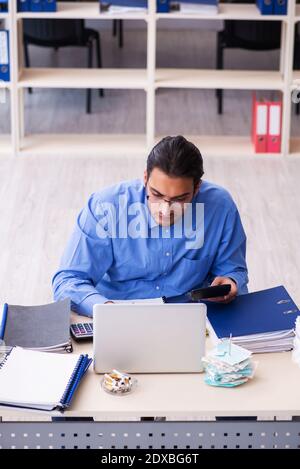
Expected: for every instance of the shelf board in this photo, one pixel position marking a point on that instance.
(117, 78)
(5, 145)
(81, 145)
(3, 15)
(226, 146)
(223, 79)
(234, 11)
(82, 10)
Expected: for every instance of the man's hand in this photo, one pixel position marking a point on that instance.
(108, 302)
(231, 295)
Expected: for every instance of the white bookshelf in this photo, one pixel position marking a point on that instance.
(149, 79)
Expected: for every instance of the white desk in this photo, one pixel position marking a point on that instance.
(170, 411)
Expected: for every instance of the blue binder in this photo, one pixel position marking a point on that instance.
(49, 5)
(3, 5)
(280, 7)
(266, 7)
(260, 312)
(129, 3)
(4, 56)
(36, 5)
(23, 5)
(163, 6)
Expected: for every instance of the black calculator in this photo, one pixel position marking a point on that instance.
(82, 330)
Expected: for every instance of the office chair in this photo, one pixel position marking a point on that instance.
(250, 35)
(297, 58)
(62, 33)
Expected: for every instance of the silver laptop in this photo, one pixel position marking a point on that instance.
(149, 338)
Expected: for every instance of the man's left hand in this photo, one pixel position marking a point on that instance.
(231, 295)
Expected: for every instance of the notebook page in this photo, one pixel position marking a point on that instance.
(35, 377)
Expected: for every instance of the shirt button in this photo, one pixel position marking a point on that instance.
(157, 287)
(167, 253)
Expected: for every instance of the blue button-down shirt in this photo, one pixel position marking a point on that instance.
(102, 262)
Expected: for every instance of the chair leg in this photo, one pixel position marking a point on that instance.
(114, 31)
(99, 59)
(27, 60)
(220, 66)
(90, 65)
(121, 41)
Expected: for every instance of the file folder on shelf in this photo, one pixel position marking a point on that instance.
(3, 6)
(23, 5)
(272, 7)
(4, 56)
(274, 127)
(259, 125)
(163, 6)
(265, 6)
(280, 7)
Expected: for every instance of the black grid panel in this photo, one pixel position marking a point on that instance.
(148, 435)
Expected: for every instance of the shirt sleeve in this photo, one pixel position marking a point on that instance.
(230, 260)
(87, 257)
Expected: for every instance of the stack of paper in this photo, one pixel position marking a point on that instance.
(228, 365)
(296, 351)
(262, 321)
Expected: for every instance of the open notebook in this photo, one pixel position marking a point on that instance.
(40, 380)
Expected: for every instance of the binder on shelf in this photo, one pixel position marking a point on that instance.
(39, 380)
(272, 7)
(195, 6)
(3, 6)
(49, 5)
(280, 7)
(265, 6)
(23, 5)
(4, 56)
(123, 6)
(274, 127)
(163, 6)
(36, 5)
(259, 125)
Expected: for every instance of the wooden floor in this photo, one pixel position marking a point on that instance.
(41, 197)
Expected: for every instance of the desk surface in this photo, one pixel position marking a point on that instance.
(273, 392)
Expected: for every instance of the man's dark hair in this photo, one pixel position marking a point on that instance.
(176, 157)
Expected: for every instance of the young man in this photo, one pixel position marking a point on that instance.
(163, 236)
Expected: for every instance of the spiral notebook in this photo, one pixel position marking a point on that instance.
(40, 380)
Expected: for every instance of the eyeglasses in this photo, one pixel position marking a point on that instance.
(159, 199)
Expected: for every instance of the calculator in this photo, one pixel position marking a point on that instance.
(82, 330)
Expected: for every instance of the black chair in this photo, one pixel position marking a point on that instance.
(63, 33)
(118, 31)
(297, 58)
(251, 35)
